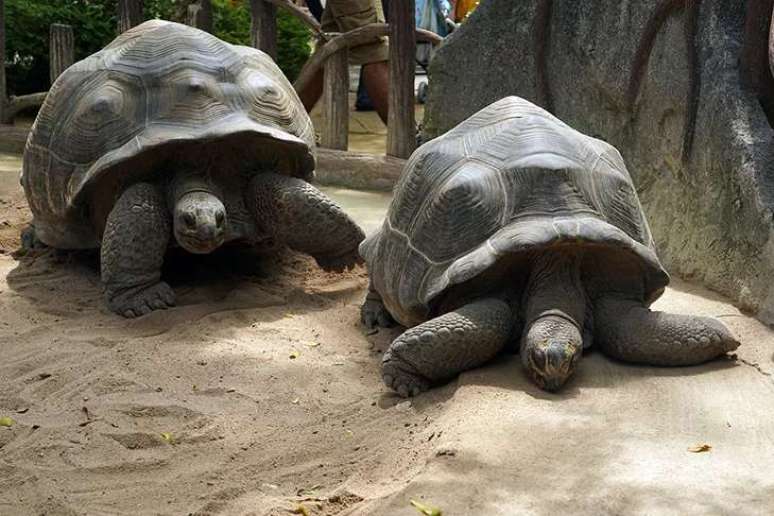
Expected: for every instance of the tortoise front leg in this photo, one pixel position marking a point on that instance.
(629, 331)
(443, 347)
(133, 246)
(306, 220)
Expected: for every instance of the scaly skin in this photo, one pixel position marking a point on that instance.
(306, 220)
(629, 331)
(443, 347)
(133, 246)
(373, 313)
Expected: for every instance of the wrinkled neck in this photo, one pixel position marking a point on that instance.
(185, 183)
(555, 288)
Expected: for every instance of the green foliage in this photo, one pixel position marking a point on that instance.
(94, 23)
(293, 47)
(231, 20)
(27, 36)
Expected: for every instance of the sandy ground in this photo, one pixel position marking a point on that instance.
(260, 394)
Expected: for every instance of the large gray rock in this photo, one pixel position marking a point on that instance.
(680, 91)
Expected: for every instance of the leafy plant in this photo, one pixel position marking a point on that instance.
(94, 23)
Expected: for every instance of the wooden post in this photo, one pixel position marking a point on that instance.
(401, 128)
(61, 49)
(3, 93)
(263, 31)
(199, 15)
(129, 14)
(335, 98)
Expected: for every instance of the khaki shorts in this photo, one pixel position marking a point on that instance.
(347, 15)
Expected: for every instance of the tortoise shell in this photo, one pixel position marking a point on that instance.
(115, 116)
(510, 180)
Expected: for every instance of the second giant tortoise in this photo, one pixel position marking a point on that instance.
(515, 226)
(169, 131)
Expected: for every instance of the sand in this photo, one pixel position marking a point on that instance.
(260, 394)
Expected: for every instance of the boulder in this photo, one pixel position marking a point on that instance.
(681, 88)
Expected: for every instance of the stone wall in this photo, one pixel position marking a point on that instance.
(680, 87)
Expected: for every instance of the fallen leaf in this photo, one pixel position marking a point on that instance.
(349, 433)
(295, 401)
(167, 436)
(309, 491)
(6, 421)
(700, 448)
(25, 409)
(300, 509)
(294, 355)
(311, 344)
(426, 509)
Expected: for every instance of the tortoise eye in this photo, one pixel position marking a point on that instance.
(219, 219)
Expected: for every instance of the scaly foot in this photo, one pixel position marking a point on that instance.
(142, 300)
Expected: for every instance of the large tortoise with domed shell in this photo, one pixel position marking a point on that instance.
(514, 226)
(170, 131)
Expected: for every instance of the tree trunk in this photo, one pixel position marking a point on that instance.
(401, 128)
(263, 30)
(200, 15)
(61, 49)
(129, 14)
(3, 93)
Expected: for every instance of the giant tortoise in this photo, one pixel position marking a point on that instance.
(515, 226)
(170, 131)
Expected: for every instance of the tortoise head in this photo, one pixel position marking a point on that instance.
(550, 350)
(199, 216)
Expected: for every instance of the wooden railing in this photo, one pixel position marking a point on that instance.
(331, 55)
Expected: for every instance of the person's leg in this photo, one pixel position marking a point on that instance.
(376, 77)
(312, 92)
(350, 15)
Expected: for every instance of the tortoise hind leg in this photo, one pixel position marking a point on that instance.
(133, 246)
(447, 345)
(628, 331)
(373, 313)
(305, 219)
